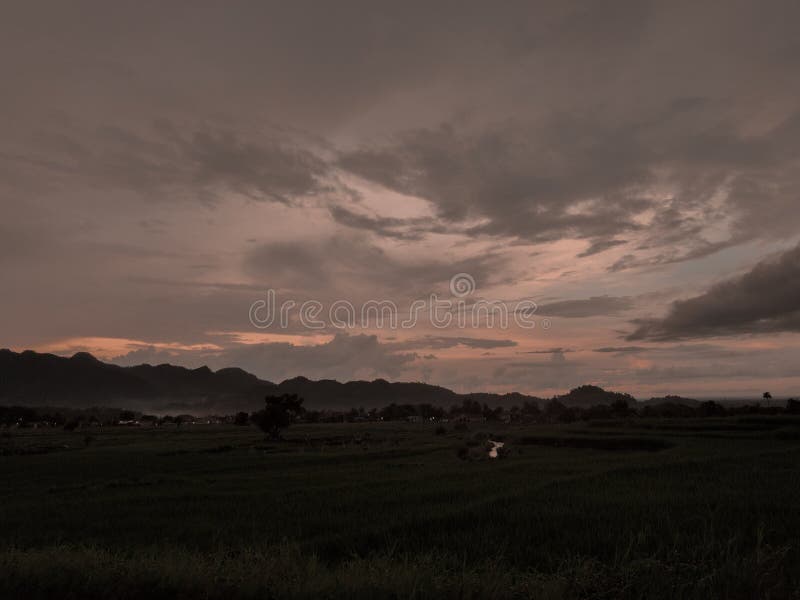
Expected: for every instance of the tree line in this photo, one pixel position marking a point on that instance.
(281, 411)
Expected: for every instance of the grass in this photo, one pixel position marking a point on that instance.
(621, 510)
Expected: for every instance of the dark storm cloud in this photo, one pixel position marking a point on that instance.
(582, 178)
(504, 176)
(590, 172)
(589, 307)
(764, 300)
(590, 108)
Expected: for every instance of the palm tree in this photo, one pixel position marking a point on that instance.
(767, 396)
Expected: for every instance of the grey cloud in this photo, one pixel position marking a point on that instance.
(526, 124)
(441, 342)
(622, 349)
(700, 249)
(697, 351)
(167, 162)
(590, 172)
(589, 307)
(677, 373)
(296, 63)
(557, 360)
(96, 300)
(389, 227)
(558, 372)
(258, 169)
(580, 162)
(16, 243)
(346, 266)
(501, 175)
(154, 356)
(764, 300)
(581, 178)
(601, 245)
(345, 357)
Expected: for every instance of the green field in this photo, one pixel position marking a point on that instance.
(640, 509)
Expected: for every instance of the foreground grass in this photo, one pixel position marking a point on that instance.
(284, 571)
(391, 511)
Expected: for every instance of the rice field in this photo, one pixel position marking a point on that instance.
(625, 509)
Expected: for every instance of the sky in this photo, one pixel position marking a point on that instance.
(629, 171)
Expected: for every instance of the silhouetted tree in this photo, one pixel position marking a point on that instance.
(531, 409)
(471, 407)
(278, 414)
(313, 416)
(14, 415)
(492, 414)
(620, 408)
(709, 408)
(767, 396)
(554, 408)
(557, 412)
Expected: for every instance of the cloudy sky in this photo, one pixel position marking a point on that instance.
(632, 168)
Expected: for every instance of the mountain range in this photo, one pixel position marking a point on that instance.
(35, 379)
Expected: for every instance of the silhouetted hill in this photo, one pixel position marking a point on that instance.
(34, 379)
(30, 378)
(180, 382)
(328, 393)
(592, 395)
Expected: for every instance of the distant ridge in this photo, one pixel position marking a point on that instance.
(31, 378)
(35, 379)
